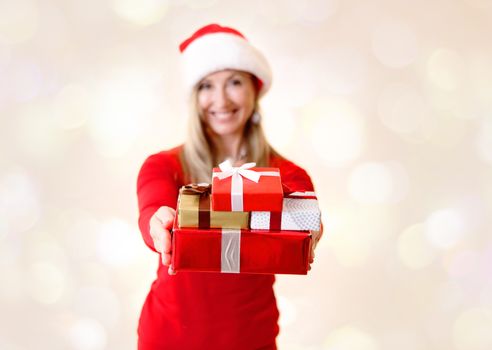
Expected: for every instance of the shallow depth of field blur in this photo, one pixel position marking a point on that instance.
(387, 104)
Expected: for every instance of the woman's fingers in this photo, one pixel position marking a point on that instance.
(157, 233)
(311, 258)
(160, 223)
(316, 235)
(166, 250)
(166, 216)
(162, 242)
(166, 259)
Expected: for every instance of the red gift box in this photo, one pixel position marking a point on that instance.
(246, 188)
(240, 251)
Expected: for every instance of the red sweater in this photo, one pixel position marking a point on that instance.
(194, 310)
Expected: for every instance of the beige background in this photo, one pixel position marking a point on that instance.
(386, 103)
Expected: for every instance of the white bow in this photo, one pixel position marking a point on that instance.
(236, 172)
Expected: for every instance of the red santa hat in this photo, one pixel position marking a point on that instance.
(214, 48)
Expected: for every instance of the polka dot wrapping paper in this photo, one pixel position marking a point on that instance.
(298, 214)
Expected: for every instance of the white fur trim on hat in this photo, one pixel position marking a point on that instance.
(218, 51)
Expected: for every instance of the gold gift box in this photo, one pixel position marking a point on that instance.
(194, 210)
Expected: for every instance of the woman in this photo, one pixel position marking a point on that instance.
(226, 77)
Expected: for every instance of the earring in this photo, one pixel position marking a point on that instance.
(256, 118)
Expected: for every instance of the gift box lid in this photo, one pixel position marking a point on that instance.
(246, 188)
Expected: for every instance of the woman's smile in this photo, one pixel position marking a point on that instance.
(223, 115)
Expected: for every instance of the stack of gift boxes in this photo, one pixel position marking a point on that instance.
(244, 223)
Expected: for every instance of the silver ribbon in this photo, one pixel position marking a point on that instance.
(230, 249)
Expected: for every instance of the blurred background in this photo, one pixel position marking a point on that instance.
(386, 103)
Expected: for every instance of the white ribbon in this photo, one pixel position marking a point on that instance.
(306, 193)
(230, 250)
(237, 174)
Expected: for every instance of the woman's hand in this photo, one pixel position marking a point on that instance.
(160, 225)
(316, 237)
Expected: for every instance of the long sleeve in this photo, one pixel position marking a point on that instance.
(158, 183)
(293, 176)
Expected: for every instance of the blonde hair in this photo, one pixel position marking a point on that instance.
(199, 155)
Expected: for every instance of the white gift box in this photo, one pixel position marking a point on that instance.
(300, 212)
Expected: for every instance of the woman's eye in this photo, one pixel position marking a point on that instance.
(236, 82)
(204, 86)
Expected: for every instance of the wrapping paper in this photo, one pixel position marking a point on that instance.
(211, 250)
(300, 212)
(240, 193)
(194, 210)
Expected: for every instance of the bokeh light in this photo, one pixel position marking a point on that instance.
(479, 4)
(486, 295)
(5, 58)
(480, 75)
(82, 232)
(46, 282)
(450, 295)
(18, 21)
(98, 303)
(141, 12)
(464, 264)
(291, 11)
(116, 243)
(293, 90)
(122, 106)
(447, 130)
(350, 338)
(6, 344)
(347, 246)
(19, 200)
(483, 142)
(35, 131)
(25, 79)
(287, 309)
(376, 183)
(3, 227)
(355, 231)
(337, 130)
(200, 4)
(445, 227)
(87, 334)
(402, 108)
(445, 69)
(72, 107)
(280, 137)
(402, 339)
(314, 11)
(11, 280)
(471, 329)
(344, 70)
(414, 250)
(394, 43)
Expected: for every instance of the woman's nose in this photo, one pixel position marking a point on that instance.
(221, 97)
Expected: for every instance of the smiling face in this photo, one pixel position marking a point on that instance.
(226, 100)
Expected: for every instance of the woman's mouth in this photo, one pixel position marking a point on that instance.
(223, 115)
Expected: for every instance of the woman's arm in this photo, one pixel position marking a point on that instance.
(157, 186)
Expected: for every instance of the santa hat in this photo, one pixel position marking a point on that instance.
(214, 48)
